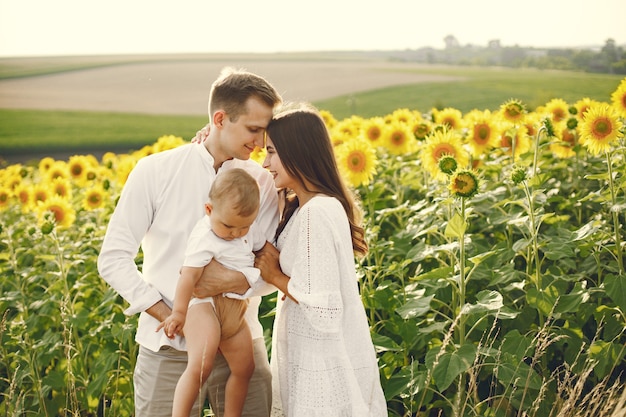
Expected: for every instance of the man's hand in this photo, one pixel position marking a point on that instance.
(159, 310)
(216, 279)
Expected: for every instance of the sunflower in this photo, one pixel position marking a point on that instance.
(532, 122)
(58, 169)
(125, 164)
(5, 197)
(95, 198)
(422, 129)
(515, 137)
(372, 129)
(518, 174)
(63, 212)
(339, 137)
(447, 164)
(92, 173)
(583, 105)
(109, 160)
(563, 142)
(328, 118)
(45, 164)
(258, 155)
(558, 109)
(399, 139)
(77, 167)
(349, 126)
(167, 142)
(464, 183)
(406, 116)
(450, 117)
(618, 98)
(40, 193)
(143, 152)
(24, 195)
(513, 111)
(62, 187)
(11, 179)
(600, 127)
(440, 143)
(357, 161)
(483, 131)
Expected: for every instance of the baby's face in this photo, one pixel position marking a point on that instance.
(229, 225)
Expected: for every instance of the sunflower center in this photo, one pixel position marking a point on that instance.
(59, 213)
(443, 149)
(481, 133)
(569, 137)
(76, 170)
(602, 127)
(397, 138)
(558, 115)
(356, 160)
(23, 196)
(373, 133)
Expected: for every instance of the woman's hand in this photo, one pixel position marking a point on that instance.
(267, 260)
(202, 134)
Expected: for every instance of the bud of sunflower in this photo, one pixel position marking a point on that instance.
(549, 127)
(573, 110)
(47, 227)
(518, 175)
(447, 164)
(106, 184)
(572, 123)
(421, 131)
(464, 183)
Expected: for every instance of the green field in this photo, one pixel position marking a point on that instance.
(23, 131)
(482, 88)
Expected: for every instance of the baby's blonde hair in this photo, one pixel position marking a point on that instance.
(238, 188)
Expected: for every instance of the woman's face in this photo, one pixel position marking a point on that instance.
(275, 167)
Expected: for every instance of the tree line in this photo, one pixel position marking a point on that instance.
(610, 59)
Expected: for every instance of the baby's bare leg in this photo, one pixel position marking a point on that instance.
(237, 351)
(202, 335)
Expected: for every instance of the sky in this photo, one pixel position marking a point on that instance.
(101, 27)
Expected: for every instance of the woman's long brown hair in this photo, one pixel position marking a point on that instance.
(305, 150)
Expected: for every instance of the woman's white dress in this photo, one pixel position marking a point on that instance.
(323, 358)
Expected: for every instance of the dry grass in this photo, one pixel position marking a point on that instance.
(180, 84)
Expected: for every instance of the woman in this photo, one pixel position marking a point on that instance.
(323, 358)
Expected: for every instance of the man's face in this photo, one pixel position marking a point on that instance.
(248, 131)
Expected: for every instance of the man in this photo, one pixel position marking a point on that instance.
(161, 201)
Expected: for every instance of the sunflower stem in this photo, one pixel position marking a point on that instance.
(462, 276)
(533, 233)
(536, 155)
(615, 214)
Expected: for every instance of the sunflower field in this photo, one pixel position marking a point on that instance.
(495, 283)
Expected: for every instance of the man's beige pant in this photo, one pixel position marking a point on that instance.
(156, 375)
